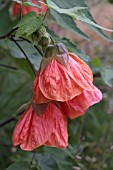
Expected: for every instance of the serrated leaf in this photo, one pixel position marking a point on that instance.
(71, 4)
(27, 4)
(23, 165)
(67, 22)
(29, 24)
(76, 13)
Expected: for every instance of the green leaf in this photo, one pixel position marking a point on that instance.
(6, 23)
(71, 4)
(62, 156)
(67, 22)
(32, 53)
(27, 3)
(107, 75)
(76, 13)
(29, 24)
(19, 166)
(97, 30)
(46, 162)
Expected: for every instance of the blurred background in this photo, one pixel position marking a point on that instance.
(90, 136)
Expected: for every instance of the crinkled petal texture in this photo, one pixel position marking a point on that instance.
(79, 104)
(59, 136)
(59, 83)
(38, 95)
(81, 72)
(34, 130)
(56, 84)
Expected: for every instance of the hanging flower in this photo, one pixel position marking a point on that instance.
(61, 76)
(34, 130)
(63, 87)
(25, 9)
(79, 104)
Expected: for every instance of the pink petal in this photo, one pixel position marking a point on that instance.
(56, 84)
(81, 72)
(38, 95)
(97, 96)
(79, 104)
(59, 136)
(33, 130)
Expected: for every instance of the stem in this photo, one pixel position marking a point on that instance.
(10, 119)
(34, 45)
(22, 38)
(11, 38)
(32, 159)
(10, 67)
(9, 33)
(45, 14)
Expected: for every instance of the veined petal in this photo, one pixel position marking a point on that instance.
(33, 130)
(59, 136)
(97, 96)
(38, 95)
(79, 104)
(56, 84)
(81, 72)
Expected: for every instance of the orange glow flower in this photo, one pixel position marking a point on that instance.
(61, 78)
(33, 130)
(63, 87)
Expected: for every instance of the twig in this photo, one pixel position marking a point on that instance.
(22, 38)
(10, 67)
(34, 45)
(45, 14)
(9, 33)
(11, 38)
(32, 159)
(10, 119)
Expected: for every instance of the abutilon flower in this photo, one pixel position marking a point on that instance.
(63, 88)
(25, 9)
(34, 130)
(61, 77)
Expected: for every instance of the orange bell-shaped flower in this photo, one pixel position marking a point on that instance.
(34, 130)
(61, 76)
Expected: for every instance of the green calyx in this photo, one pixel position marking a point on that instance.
(57, 51)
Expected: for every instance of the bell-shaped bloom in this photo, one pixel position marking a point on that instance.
(58, 80)
(34, 130)
(79, 104)
(15, 8)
